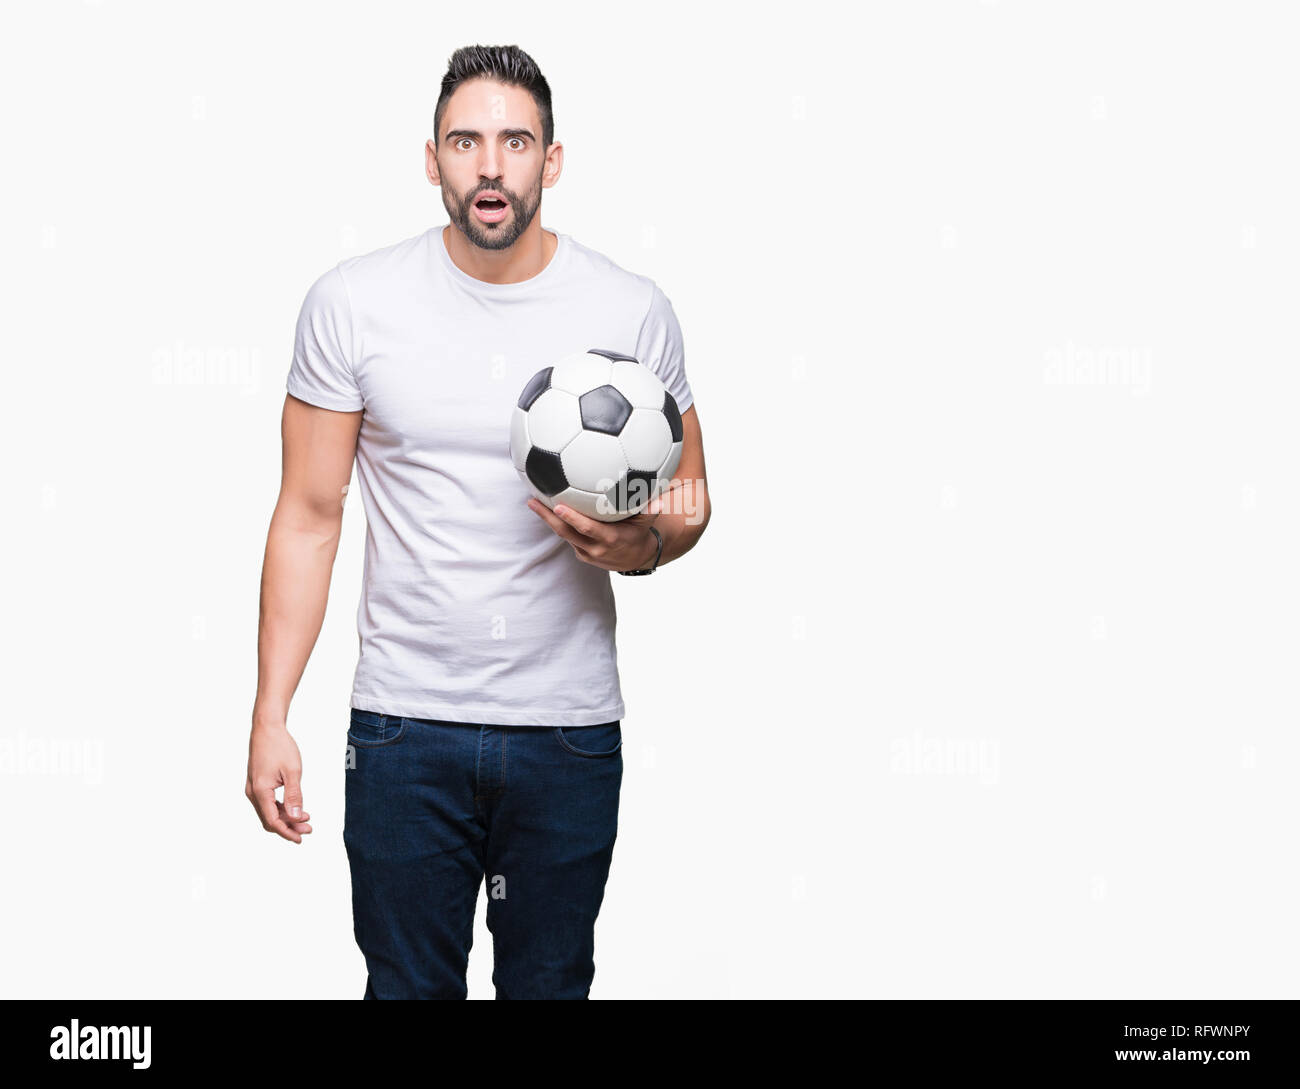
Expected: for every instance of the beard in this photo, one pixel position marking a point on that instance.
(493, 236)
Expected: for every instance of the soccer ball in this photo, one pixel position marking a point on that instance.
(597, 432)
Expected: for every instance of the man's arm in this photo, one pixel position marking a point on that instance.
(680, 514)
(319, 446)
(684, 506)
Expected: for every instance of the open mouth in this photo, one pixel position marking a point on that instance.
(491, 208)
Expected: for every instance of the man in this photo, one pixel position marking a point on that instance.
(485, 731)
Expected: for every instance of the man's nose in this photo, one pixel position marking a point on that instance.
(489, 166)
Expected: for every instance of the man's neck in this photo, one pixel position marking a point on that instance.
(531, 252)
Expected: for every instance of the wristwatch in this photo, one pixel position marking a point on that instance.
(658, 552)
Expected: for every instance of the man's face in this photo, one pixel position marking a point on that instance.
(490, 162)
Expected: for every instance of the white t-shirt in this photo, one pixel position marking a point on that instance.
(472, 609)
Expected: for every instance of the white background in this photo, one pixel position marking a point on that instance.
(982, 681)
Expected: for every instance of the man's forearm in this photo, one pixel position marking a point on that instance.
(684, 514)
(295, 590)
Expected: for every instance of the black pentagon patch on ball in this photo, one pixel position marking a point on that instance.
(674, 417)
(617, 357)
(537, 385)
(634, 490)
(545, 472)
(604, 409)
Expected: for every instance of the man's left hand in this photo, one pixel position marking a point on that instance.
(614, 546)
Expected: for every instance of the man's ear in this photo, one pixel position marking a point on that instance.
(431, 163)
(553, 165)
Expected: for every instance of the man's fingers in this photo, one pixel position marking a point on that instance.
(559, 525)
(595, 561)
(302, 818)
(293, 793)
(261, 817)
(591, 540)
(255, 800)
(268, 810)
(299, 825)
(588, 527)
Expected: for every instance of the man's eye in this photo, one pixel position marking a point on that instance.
(517, 140)
(462, 142)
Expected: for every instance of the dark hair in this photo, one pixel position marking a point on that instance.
(505, 64)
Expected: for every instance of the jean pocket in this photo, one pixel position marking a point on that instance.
(370, 729)
(594, 741)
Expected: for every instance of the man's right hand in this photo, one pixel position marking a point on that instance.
(274, 761)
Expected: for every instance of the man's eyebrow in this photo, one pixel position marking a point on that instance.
(456, 134)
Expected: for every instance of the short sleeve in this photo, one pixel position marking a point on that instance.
(321, 371)
(659, 347)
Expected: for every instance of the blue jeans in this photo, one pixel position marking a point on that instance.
(433, 807)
